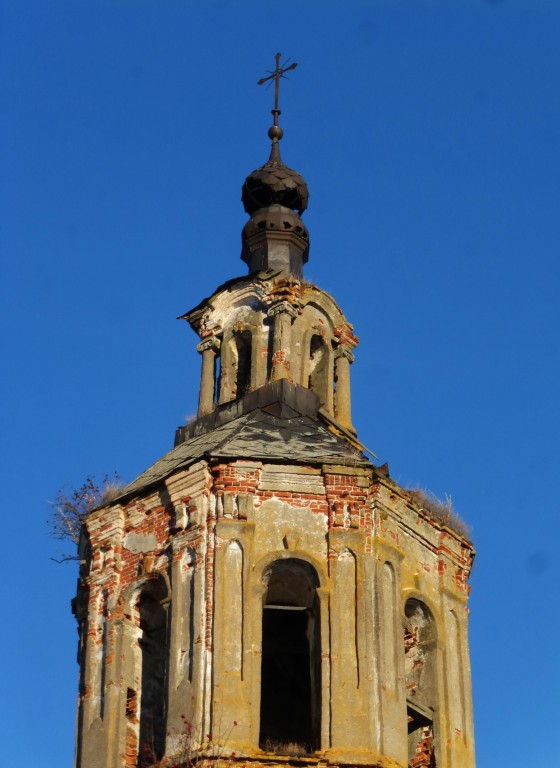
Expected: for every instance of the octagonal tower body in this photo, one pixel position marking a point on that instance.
(264, 593)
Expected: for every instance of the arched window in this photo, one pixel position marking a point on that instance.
(243, 345)
(217, 378)
(153, 642)
(421, 682)
(291, 659)
(319, 368)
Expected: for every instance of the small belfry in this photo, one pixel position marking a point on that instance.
(265, 594)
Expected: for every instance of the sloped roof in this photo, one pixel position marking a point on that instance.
(256, 435)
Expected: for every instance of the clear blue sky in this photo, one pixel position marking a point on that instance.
(428, 133)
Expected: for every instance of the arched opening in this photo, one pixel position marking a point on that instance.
(319, 368)
(291, 659)
(217, 378)
(243, 347)
(153, 643)
(421, 682)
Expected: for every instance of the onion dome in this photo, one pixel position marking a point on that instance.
(275, 196)
(274, 183)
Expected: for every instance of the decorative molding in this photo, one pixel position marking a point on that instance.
(210, 343)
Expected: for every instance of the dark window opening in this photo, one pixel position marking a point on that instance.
(291, 660)
(420, 737)
(153, 696)
(217, 377)
(318, 368)
(243, 347)
(421, 683)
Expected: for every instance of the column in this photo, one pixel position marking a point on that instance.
(342, 403)
(283, 313)
(208, 349)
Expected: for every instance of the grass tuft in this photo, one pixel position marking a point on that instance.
(286, 748)
(441, 511)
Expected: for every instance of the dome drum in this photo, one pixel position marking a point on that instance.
(275, 238)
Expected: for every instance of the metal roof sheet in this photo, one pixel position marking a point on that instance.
(256, 435)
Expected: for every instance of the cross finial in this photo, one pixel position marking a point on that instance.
(276, 75)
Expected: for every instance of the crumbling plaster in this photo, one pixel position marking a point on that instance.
(217, 526)
(282, 315)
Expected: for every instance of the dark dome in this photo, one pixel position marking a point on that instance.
(273, 183)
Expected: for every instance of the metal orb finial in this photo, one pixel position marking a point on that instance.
(275, 132)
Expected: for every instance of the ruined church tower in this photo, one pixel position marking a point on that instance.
(264, 594)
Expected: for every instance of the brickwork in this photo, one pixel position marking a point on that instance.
(149, 535)
(264, 584)
(424, 756)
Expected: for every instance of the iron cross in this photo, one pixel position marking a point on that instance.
(276, 75)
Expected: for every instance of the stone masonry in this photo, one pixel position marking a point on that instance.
(264, 594)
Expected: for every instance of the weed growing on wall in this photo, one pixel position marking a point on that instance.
(187, 751)
(441, 511)
(70, 507)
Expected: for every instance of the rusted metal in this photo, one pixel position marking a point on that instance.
(276, 75)
(275, 183)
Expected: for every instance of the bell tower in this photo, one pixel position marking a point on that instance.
(265, 594)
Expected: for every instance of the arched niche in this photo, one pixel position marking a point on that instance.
(186, 657)
(420, 649)
(238, 364)
(314, 320)
(150, 701)
(243, 341)
(291, 658)
(319, 379)
(233, 594)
